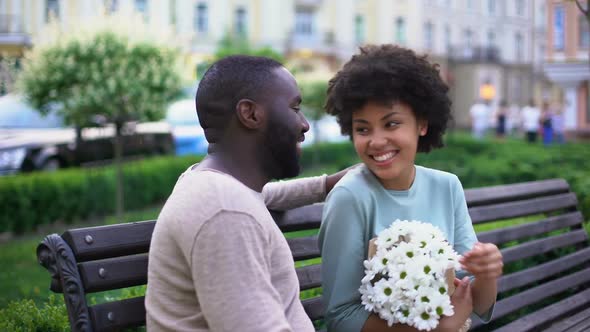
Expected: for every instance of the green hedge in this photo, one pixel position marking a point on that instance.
(30, 200)
(27, 201)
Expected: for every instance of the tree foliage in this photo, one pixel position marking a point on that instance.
(232, 44)
(105, 75)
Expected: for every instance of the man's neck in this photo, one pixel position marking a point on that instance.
(246, 170)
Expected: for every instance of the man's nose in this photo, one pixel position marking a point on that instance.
(304, 122)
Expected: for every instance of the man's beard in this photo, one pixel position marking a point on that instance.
(283, 158)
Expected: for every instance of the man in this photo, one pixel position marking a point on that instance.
(479, 114)
(531, 117)
(218, 262)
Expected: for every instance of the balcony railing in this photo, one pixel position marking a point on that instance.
(475, 53)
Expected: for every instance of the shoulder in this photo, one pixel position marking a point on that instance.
(437, 176)
(358, 182)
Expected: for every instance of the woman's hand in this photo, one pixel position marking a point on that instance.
(484, 261)
(462, 302)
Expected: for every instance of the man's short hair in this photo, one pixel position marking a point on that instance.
(225, 83)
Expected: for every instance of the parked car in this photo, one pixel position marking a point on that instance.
(189, 137)
(30, 141)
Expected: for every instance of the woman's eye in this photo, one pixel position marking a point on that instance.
(361, 130)
(391, 124)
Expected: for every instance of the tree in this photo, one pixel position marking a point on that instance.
(103, 74)
(314, 97)
(232, 44)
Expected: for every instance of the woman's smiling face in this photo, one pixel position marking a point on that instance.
(386, 137)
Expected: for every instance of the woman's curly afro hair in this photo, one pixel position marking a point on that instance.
(390, 74)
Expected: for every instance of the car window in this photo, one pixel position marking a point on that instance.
(16, 113)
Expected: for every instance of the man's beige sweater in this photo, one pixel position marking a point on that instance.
(218, 261)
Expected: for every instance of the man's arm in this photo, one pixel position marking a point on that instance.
(285, 195)
(231, 274)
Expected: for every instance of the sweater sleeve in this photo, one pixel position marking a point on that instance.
(231, 275)
(465, 236)
(343, 251)
(284, 195)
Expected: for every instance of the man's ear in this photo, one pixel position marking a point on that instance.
(422, 127)
(249, 113)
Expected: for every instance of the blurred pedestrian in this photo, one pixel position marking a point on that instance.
(479, 114)
(531, 116)
(501, 117)
(546, 123)
(513, 120)
(558, 123)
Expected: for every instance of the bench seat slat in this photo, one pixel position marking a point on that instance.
(538, 293)
(314, 307)
(309, 276)
(533, 321)
(114, 316)
(527, 207)
(507, 234)
(116, 273)
(543, 245)
(304, 247)
(545, 270)
(110, 241)
(513, 192)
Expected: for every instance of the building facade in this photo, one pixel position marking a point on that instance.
(567, 63)
(476, 42)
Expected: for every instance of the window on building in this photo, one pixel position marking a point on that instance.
(520, 7)
(468, 38)
(359, 29)
(558, 28)
(518, 47)
(141, 7)
(584, 32)
(447, 38)
(428, 36)
(172, 4)
(240, 25)
(51, 9)
(492, 6)
(400, 31)
(491, 38)
(470, 5)
(304, 18)
(201, 18)
(111, 6)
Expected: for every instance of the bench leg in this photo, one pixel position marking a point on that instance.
(57, 257)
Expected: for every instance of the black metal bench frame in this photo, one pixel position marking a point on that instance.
(93, 259)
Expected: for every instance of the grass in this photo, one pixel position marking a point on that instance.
(21, 275)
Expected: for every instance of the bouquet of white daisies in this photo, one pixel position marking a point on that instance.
(409, 279)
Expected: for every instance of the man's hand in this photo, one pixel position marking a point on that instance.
(484, 261)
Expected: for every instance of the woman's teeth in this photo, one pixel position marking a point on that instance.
(384, 157)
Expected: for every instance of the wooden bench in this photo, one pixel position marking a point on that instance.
(546, 283)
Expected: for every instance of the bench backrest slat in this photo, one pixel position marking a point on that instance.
(514, 192)
(507, 234)
(538, 293)
(114, 316)
(302, 218)
(110, 241)
(114, 273)
(527, 207)
(309, 276)
(542, 271)
(544, 245)
(304, 247)
(314, 308)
